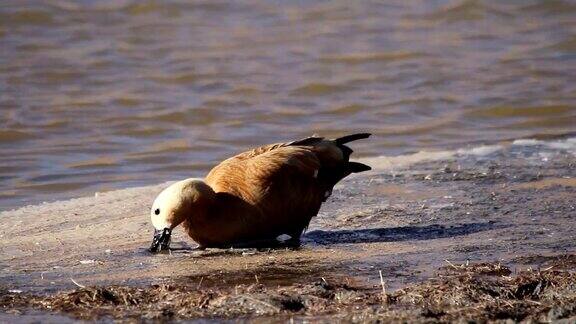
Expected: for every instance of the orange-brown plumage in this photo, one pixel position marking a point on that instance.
(268, 191)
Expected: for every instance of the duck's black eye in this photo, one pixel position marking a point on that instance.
(157, 211)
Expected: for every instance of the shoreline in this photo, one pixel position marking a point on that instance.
(382, 163)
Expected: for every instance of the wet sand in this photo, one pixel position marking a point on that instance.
(511, 203)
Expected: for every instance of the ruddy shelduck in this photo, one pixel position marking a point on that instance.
(257, 196)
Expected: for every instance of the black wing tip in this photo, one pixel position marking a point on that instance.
(352, 137)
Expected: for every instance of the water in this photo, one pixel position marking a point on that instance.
(96, 95)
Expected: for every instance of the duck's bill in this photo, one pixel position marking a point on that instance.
(161, 240)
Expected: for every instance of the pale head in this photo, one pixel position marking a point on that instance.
(180, 201)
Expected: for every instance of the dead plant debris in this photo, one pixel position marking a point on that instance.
(478, 291)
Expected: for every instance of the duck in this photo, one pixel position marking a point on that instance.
(256, 198)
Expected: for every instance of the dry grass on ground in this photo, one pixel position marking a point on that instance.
(482, 291)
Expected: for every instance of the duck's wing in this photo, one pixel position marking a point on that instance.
(245, 174)
(329, 162)
(250, 174)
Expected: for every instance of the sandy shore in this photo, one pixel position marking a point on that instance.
(512, 203)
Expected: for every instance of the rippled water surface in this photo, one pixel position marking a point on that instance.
(96, 95)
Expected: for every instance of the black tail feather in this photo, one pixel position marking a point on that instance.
(346, 151)
(355, 167)
(351, 137)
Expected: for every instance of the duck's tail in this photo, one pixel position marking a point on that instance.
(350, 138)
(332, 175)
(353, 167)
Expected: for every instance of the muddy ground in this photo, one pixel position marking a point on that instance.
(482, 233)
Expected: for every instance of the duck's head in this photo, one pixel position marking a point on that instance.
(180, 201)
